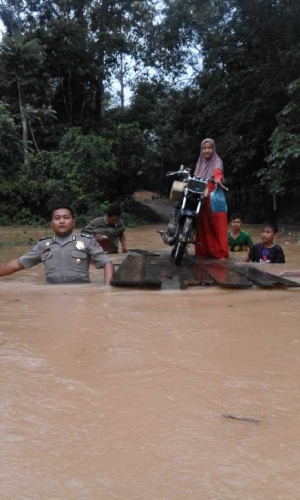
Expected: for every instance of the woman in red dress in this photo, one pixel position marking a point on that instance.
(211, 227)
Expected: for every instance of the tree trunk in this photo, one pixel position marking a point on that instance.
(274, 203)
(102, 29)
(122, 83)
(24, 124)
(70, 95)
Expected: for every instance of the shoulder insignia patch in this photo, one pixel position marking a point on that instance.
(90, 236)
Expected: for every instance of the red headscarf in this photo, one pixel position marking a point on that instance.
(205, 168)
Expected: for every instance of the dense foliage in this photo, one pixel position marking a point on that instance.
(227, 69)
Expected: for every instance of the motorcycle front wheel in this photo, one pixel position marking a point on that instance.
(173, 251)
(184, 239)
(179, 253)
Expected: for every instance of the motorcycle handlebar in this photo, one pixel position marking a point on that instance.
(222, 186)
(187, 172)
(178, 172)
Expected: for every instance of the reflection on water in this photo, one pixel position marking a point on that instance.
(119, 393)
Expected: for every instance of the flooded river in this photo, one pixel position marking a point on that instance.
(121, 393)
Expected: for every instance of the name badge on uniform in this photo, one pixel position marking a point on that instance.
(80, 245)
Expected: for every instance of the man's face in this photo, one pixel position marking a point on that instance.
(62, 222)
(236, 224)
(112, 219)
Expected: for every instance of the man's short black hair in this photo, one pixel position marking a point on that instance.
(236, 215)
(271, 225)
(57, 207)
(113, 209)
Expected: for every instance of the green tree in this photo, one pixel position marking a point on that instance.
(39, 185)
(10, 158)
(20, 60)
(282, 173)
(118, 31)
(250, 53)
(10, 143)
(130, 149)
(86, 163)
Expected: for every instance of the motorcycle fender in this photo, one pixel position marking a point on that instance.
(187, 213)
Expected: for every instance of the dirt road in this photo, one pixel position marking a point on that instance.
(162, 206)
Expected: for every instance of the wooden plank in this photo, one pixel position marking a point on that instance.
(188, 274)
(154, 270)
(191, 274)
(265, 279)
(281, 280)
(138, 270)
(255, 275)
(224, 275)
(168, 273)
(152, 275)
(161, 270)
(143, 252)
(131, 272)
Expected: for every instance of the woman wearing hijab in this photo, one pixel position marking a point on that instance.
(211, 227)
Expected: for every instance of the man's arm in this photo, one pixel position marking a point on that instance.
(11, 267)
(109, 271)
(123, 243)
(247, 258)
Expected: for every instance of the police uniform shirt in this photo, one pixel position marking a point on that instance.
(67, 259)
(100, 225)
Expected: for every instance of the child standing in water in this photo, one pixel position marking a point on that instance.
(238, 240)
(267, 251)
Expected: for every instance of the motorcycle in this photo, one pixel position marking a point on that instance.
(190, 193)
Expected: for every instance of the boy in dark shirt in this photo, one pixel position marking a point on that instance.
(267, 251)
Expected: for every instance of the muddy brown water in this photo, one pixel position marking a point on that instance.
(119, 393)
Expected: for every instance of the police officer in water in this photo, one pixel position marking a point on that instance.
(66, 256)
